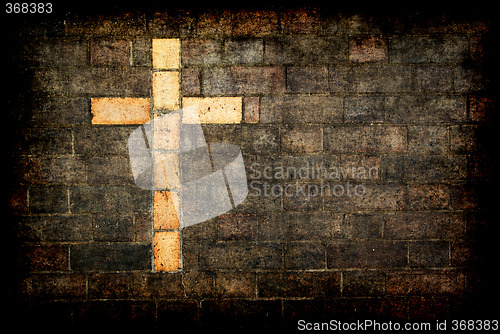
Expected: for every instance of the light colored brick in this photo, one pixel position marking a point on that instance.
(166, 90)
(166, 204)
(166, 134)
(118, 110)
(166, 53)
(214, 109)
(167, 251)
(166, 170)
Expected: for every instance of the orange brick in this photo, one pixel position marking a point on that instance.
(167, 251)
(166, 90)
(166, 206)
(120, 110)
(166, 173)
(218, 110)
(166, 53)
(167, 131)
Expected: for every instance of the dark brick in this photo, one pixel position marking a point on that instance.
(143, 222)
(110, 81)
(429, 254)
(110, 257)
(53, 199)
(301, 139)
(101, 140)
(428, 197)
(423, 225)
(111, 285)
(300, 109)
(111, 199)
(239, 80)
(61, 111)
(362, 226)
(306, 79)
(466, 196)
(302, 196)
(190, 81)
(50, 81)
(251, 109)
(480, 108)
(309, 226)
(50, 141)
(426, 109)
(52, 170)
(339, 78)
(305, 256)
(156, 285)
(299, 284)
(364, 108)
(372, 138)
(305, 50)
(378, 79)
(141, 52)
(235, 284)
(433, 78)
(109, 52)
(55, 228)
(367, 49)
(259, 139)
(373, 254)
(109, 170)
(41, 257)
(361, 167)
(435, 168)
(434, 49)
(198, 284)
(243, 51)
(113, 228)
(242, 255)
(363, 283)
(55, 52)
(393, 167)
(355, 196)
(435, 282)
(262, 197)
(57, 286)
(464, 138)
(237, 227)
(201, 51)
(428, 139)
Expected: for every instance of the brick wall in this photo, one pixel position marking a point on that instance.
(407, 98)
